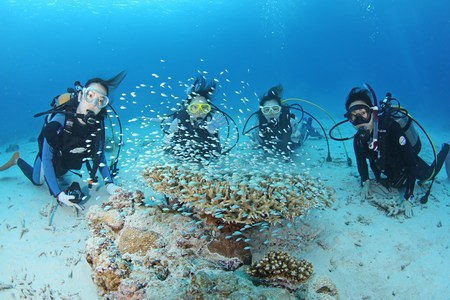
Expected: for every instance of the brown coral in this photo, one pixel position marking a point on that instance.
(135, 240)
(279, 269)
(109, 272)
(129, 290)
(240, 197)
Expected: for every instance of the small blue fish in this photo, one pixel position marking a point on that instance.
(219, 227)
(247, 248)
(247, 240)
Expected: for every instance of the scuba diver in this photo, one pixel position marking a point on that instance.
(73, 133)
(278, 129)
(192, 133)
(387, 138)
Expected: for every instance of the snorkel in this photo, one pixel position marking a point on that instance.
(374, 144)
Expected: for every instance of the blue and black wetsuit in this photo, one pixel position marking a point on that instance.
(64, 144)
(398, 160)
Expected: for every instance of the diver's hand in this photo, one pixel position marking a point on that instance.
(296, 133)
(218, 120)
(295, 136)
(406, 206)
(365, 191)
(64, 198)
(393, 210)
(112, 189)
(255, 139)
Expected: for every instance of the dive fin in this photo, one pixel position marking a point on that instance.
(447, 166)
(11, 162)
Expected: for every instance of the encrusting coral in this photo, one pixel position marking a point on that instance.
(279, 269)
(243, 198)
(134, 240)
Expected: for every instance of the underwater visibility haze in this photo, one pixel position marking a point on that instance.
(308, 206)
(317, 49)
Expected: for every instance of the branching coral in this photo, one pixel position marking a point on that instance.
(279, 269)
(239, 197)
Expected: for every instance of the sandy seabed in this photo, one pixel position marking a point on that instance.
(367, 254)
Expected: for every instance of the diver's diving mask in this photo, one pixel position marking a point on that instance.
(96, 97)
(274, 109)
(359, 114)
(199, 108)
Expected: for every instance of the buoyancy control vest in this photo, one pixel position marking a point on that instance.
(396, 172)
(74, 143)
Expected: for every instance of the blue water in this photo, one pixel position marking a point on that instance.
(318, 49)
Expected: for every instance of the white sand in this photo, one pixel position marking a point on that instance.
(367, 254)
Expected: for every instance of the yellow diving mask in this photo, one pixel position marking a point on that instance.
(199, 108)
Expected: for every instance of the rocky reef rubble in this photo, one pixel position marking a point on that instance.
(141, 252)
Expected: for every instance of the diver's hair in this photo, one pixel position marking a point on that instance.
(360, 94)
(201, 87)
(108, 84)
(274, 93)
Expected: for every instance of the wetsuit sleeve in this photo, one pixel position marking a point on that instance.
(406, 154)
(51, 131)
(361, 160)
(373, 166)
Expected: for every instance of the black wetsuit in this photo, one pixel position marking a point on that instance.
(275, 135)
(193, 142)
(398, 160)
